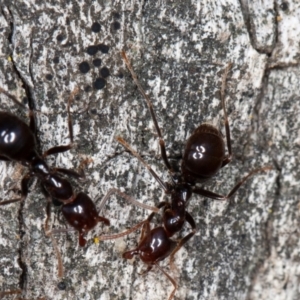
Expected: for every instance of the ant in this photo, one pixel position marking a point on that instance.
(18, 143)
(203, 157)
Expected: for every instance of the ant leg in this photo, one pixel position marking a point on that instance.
(60, 267)
(134, 153)
(184, 240)
(64, 148)
(70, 173)
(149, 268)
(145, 232)
(58, 256)
(150, 106)
(13, 98)
(32, 122)
(127, 198)
(118, 235)
(146, 227)
(132, 229)
(170, 278)
(24, 191)
(215, 196)
(228, 157)
(75, 174)
(49, 233)
(48, 214)
(32, 108)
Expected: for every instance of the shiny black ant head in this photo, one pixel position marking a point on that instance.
(203, 155)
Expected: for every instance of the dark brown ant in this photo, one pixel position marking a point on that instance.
(18, 143)
(204, 156)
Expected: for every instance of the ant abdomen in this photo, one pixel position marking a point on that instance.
(203, 155)
(16, 139)
(82, 215)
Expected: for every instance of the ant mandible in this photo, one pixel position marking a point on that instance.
(18, 143)
(203, 157)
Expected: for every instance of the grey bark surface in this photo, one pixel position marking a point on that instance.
(247, 248)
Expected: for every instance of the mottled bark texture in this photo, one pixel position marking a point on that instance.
(246, 249)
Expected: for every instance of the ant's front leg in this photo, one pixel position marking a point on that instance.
(64, 148)
(24, 191)
(153, 115)
(49, 233)
(80, 174)
(127, 198)
(170, 278)
(135, 227)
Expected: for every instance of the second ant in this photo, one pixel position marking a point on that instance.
(203, 157)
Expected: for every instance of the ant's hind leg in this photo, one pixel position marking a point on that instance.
(64, 148)
(80, 174)
(24, 191)
(49, 233)
(11, 97)
(60, 268)
(32, 122)
(171, 279)
(150, 106)
(127, 198)
(144, 224)
(151, 171)
(228, 157)
(149, 268)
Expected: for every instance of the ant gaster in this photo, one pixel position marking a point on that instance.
(204, 156)
(18, 143)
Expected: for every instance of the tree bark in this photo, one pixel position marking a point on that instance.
(247, 248)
